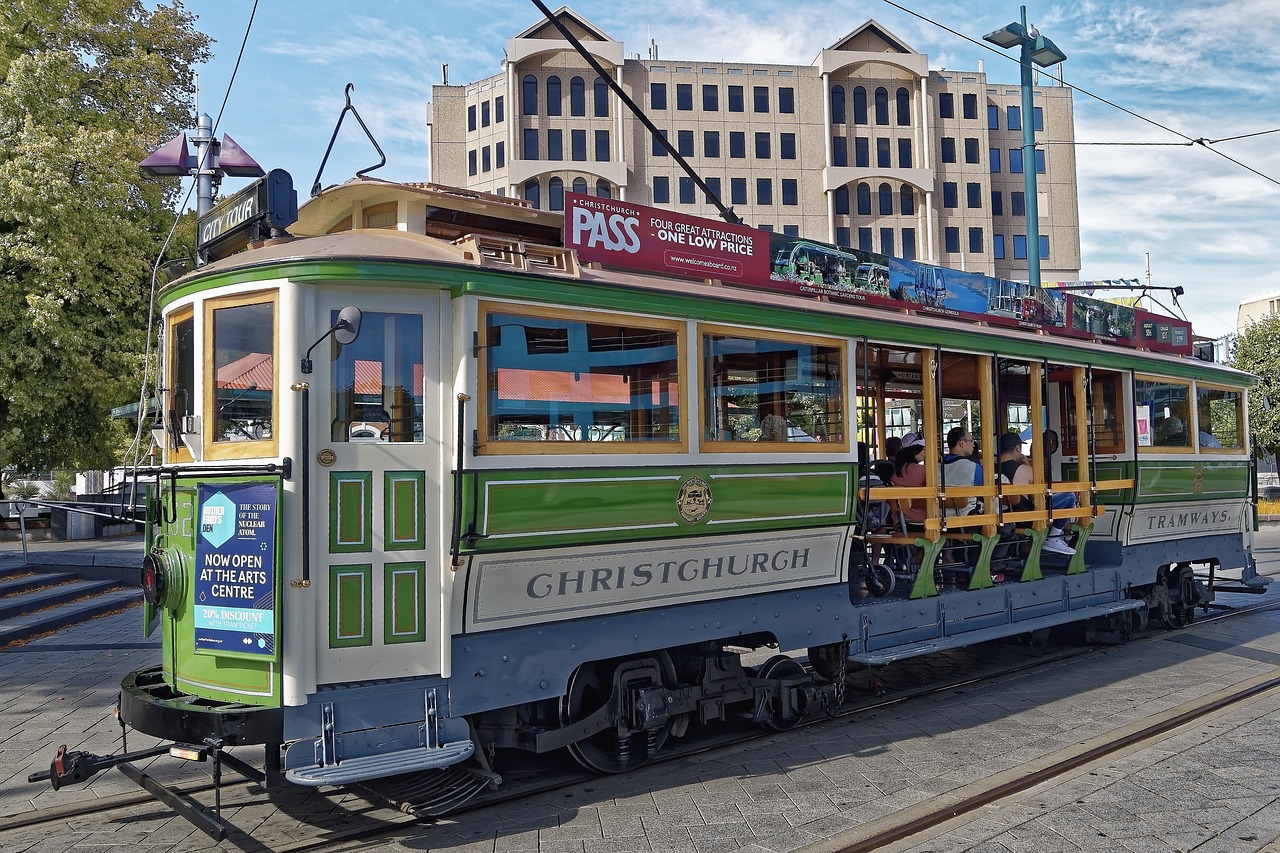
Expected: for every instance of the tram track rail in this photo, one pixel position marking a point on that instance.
(384, 817)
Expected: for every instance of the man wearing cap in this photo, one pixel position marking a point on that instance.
(1016, 471)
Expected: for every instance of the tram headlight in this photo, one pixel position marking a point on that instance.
(162, 578)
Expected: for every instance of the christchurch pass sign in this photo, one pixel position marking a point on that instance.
(636, 237)
(645, 238)
(567, 584)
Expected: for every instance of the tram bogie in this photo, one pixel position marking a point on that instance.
(540, 505)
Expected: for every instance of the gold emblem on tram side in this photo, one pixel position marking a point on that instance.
(326, 457)
(694, 500)
(1197, 480)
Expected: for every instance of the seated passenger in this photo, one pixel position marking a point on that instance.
(1171, 433)
(909, 471)
(1015, 470)
(960, 469)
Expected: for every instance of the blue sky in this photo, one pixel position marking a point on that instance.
(1195, 67)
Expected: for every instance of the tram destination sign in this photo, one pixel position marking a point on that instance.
(235, 589)
(264, 208)
(650, 239)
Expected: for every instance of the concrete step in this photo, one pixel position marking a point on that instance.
(10, 585)
(28, 625)
(40, 599)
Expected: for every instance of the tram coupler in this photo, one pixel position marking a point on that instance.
(71, 768)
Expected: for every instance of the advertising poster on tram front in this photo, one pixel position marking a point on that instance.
(235, 606)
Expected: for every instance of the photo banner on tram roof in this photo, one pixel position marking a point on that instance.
(637, 237)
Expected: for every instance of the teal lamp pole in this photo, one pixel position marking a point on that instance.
(1043, 52)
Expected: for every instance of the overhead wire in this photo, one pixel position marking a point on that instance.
(1205, 143)
(134, 453)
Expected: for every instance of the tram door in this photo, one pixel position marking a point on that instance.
(376, 528)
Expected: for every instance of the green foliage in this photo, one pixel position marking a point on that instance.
(86, 89)
(63, 486)
(1257, 350)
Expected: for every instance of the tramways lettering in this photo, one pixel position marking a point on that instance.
(607, 578)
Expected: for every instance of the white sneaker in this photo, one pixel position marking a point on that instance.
(1057, 545)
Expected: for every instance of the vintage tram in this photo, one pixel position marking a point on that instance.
(435, 482)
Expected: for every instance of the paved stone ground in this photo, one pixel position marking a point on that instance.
(1212, 787)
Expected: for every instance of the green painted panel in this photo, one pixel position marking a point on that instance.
(1191, 480)
(556, 507)
(350, 512)
(1106, 471)
(350, 606)
(250, 681)
(404, 602)
(404, 519)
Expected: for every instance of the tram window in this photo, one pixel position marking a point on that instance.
(1109, 422)
(1162, 413)
(603, 381)
(377, 382)
(772, 391)
(243, 373)
(182, 361)
(1219, 418)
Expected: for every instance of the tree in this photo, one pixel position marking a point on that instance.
(86, 89)
(1257, 350)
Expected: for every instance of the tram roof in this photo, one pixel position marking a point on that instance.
(507, 253)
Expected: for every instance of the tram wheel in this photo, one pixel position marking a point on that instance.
(618, 748)
(780, 667)
(879, 580)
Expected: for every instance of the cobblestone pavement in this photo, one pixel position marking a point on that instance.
(1212, 786)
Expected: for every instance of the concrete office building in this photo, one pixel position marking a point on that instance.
(865, 147)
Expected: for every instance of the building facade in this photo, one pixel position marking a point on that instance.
(865, 147)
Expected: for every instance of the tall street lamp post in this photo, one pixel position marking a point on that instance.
(1043, 52)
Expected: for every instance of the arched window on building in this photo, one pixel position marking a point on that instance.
(553, 95)
(602, 98)
(580, 186)
(864, 199)
(529, 95)
(904, 106)
(859, 105)
(577, 97)
(837, 105)
(886, 200)
(533, 193)
(602, 189)
(555, 194)
(842, 201)
(907, 201)
(882, 105)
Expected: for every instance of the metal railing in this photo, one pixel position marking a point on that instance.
(115, 511)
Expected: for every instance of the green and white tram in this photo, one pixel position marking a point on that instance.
(434, 482)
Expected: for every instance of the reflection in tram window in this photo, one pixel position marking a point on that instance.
(1219, 418)
(772, 391)
(378, 382)
(596, 380)
(244, 371)
(1163, 413)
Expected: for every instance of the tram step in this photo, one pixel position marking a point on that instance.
(25, 626)
(377, 766)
